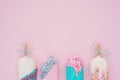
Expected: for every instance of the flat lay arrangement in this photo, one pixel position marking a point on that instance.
(74, 67)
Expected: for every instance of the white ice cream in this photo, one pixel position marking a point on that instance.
(99, 62)
(26, 66)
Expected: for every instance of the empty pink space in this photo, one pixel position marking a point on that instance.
(60, 28)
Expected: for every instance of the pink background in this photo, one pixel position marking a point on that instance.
(62, 28)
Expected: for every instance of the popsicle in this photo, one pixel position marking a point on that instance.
(49, 69)
(74, 69)
(99, 65)
(27, 66)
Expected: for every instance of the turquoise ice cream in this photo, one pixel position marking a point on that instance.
(74, 69)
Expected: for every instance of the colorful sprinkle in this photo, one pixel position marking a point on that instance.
(76, 63)
(31, 76)
(47, 66)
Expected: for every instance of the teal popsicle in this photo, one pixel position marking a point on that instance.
(74, 69)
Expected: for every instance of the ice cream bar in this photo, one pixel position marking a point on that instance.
(99, 66)
(74, 69)
(27, 67)
(49, 69)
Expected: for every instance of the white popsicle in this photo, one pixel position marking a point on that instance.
(27, 67)
(99, 67)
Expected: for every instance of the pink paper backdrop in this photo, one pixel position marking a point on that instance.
(62, 28)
